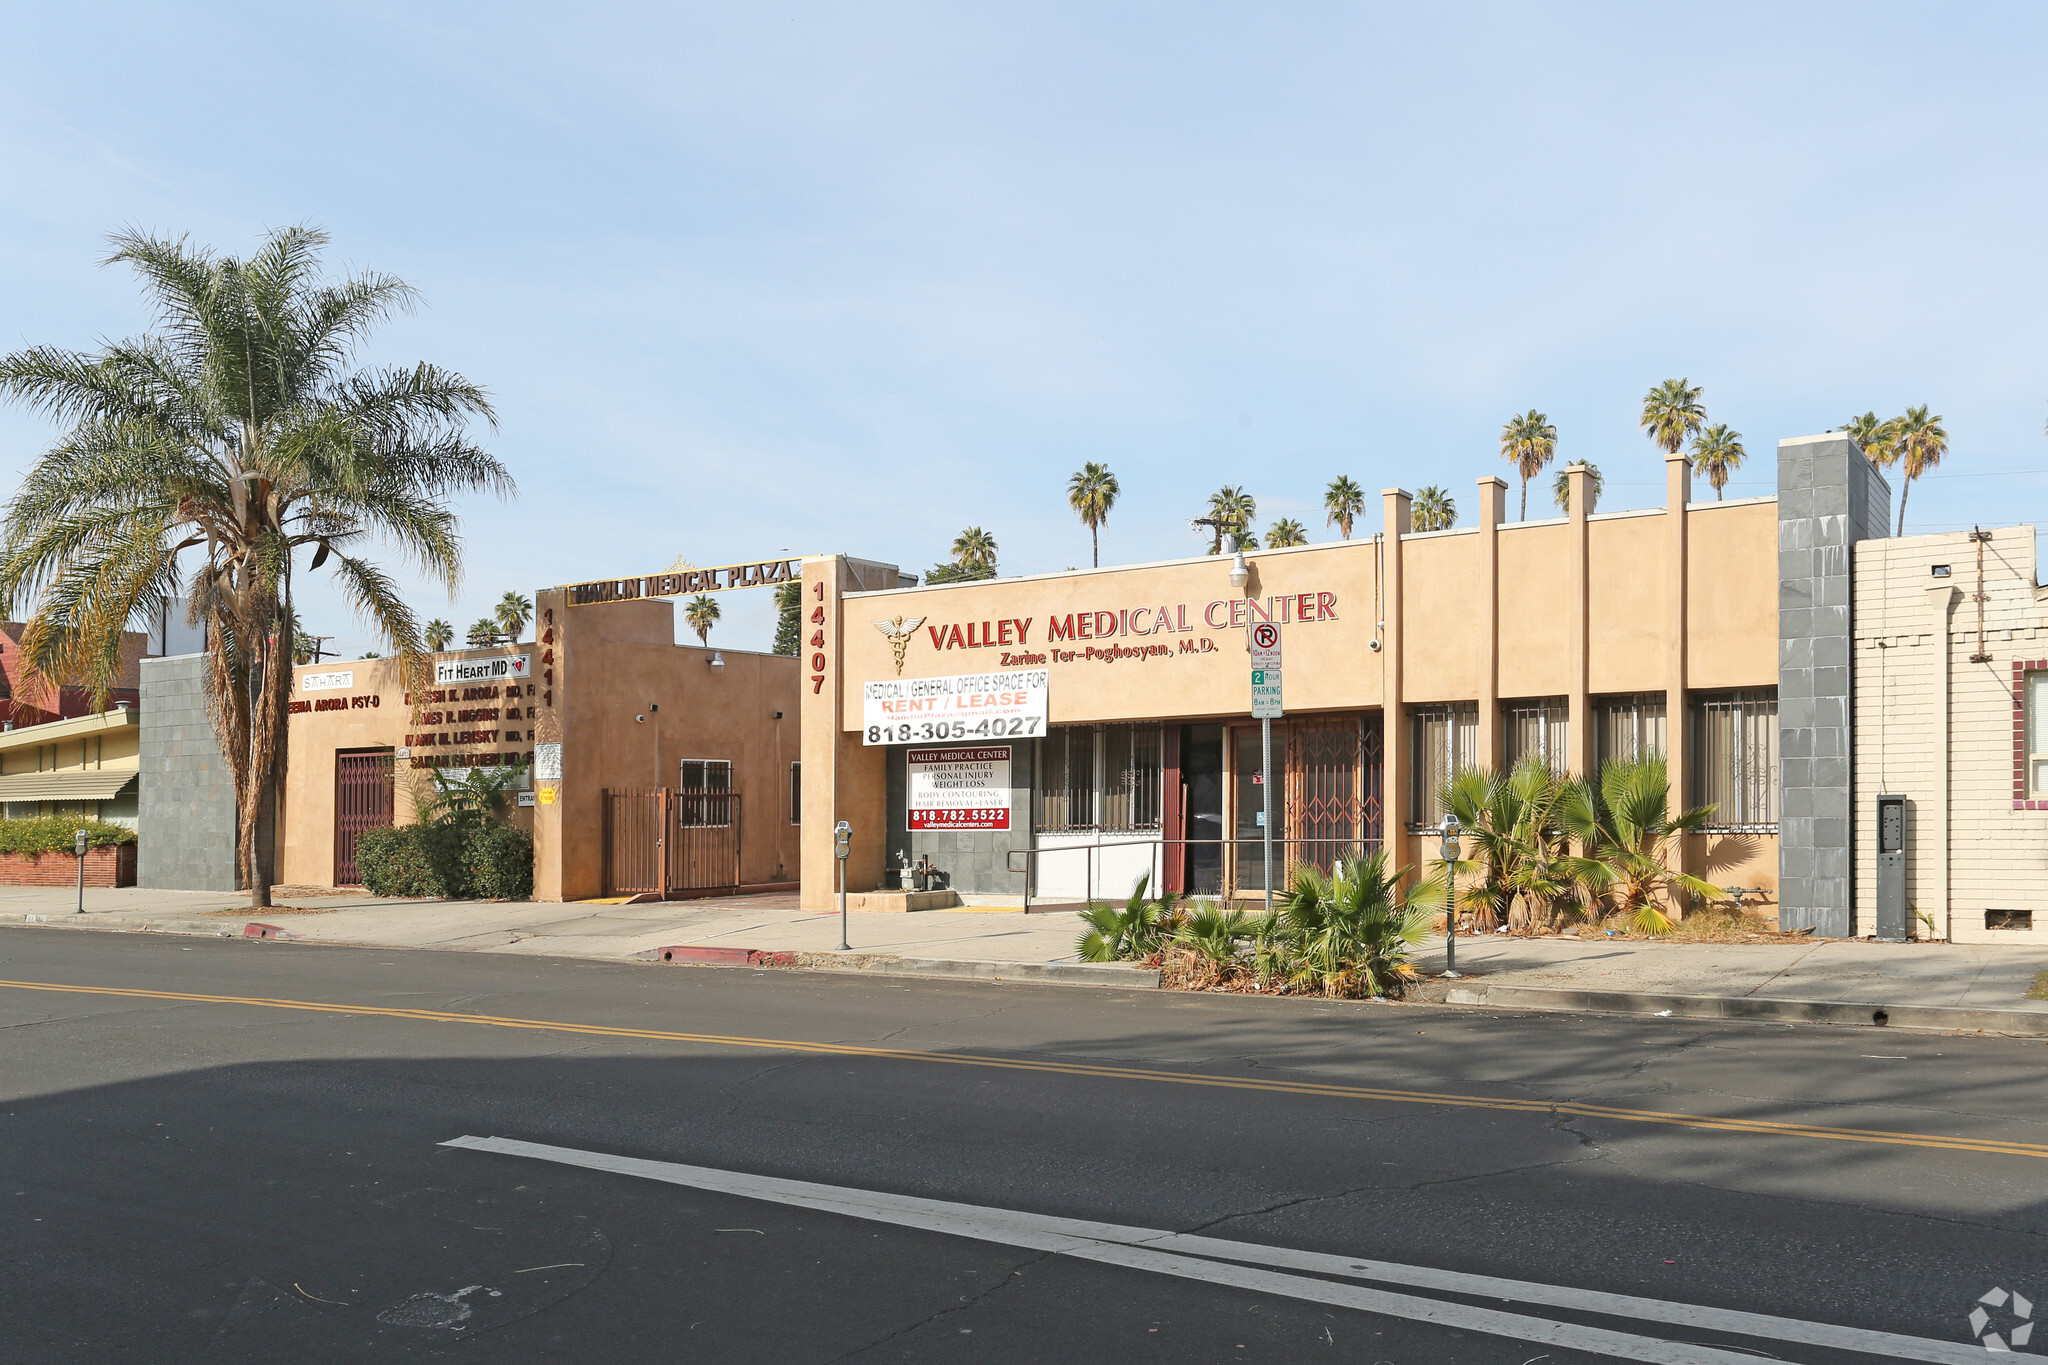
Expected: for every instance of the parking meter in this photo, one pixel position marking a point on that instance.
(78, 844)
(842, 849)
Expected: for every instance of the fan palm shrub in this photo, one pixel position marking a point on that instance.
(1521, 869)
(216, 458)
(1286, 532)
(1128, 932)
(1350, 932)
(1212, 930)
(1630, 840)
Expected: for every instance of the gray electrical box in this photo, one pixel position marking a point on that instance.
(1891, 869)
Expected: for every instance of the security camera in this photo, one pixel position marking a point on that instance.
(1373, 645)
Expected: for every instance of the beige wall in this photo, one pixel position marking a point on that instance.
(1574, 608)
(105, 741)
(1937, 727)
(595, 669)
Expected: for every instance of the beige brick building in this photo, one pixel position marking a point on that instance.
(1950, 715)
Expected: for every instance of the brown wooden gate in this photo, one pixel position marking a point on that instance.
(667, 841)
(362, 800)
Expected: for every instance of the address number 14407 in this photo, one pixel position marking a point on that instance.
(995, 727)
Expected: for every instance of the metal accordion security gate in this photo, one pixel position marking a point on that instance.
(1333, 777)
(671, 841)
(362, 801)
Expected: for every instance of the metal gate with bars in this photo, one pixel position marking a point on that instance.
(669, 841)
(362, 800)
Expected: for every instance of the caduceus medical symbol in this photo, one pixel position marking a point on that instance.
(899, 632)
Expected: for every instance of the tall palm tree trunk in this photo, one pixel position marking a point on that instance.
(1094, 549)
(1905, 491)
(1525, 499)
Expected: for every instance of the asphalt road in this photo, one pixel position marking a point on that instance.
(692, 1164)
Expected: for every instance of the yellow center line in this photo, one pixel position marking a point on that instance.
(1577, 1108)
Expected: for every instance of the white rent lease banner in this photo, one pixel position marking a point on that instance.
(966, 706)
(960, 788)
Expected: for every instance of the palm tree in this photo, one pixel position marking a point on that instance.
(1561, 488)
(1285, 532)
(789, 626)
(1231, 512)
(483, 632)
(1629, 837)
(1091, 493)
(512, 613)
(239, 432)
(702, 613)
(1718, 452)
(438, 634)
(1528, 441)
(1672, 413)
(1343, 500)
(1879, 439)
(1432, 510)
(1922, 441)
(974, 550)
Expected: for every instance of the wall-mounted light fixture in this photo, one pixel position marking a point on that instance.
(716, 660)
(1941, 571)
(1240, 572)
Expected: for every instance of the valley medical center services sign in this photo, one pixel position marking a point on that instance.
(963, 788)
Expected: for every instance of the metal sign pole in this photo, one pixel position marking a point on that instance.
(1266, 779)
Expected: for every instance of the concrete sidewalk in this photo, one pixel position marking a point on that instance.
(1931, 985)
(983, 944)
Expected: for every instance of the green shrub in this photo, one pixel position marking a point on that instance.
(446, 862)
(499, 862)
(411, 860)
(53, 834)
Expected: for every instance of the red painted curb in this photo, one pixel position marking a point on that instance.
(731, 957)
(253, 930)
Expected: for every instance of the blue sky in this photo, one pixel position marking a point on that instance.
(748, 278)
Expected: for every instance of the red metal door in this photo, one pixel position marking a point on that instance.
(362, 800)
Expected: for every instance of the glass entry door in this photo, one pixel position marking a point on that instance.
(1248, 805)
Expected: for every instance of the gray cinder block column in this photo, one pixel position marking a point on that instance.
(185, 815)
(1829, 497)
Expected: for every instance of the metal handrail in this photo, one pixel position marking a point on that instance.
(1160, 842)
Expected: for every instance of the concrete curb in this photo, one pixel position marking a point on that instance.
(1048, 973)
(123, 924)
(2029, 1023)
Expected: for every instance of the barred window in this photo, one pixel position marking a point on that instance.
(1735, 758)
(1539, 728)
(2035, 697)
(1443, 739)
(705, 797)
(1628, 727)
(1099, 777)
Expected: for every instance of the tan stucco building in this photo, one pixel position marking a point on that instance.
(653, 768)
(1406, 655)
(87, 765)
